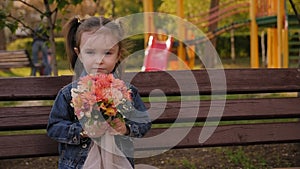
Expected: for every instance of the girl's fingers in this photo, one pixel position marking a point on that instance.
(118, 127)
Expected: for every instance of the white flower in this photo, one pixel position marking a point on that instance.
(74, 92)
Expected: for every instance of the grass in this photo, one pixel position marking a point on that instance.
(238, 63)
(22, 132)
(240, 158)
(188, 164)
(25, 72)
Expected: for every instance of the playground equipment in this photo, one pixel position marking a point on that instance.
(266, 14)
(294, 34)
(157, 53)
(149, 27)
(271, 15)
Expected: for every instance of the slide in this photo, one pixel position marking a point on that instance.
(156, 54)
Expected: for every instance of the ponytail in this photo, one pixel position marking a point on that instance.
(71, 41)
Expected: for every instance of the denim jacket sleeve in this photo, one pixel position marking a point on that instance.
(62, 125)
(138, 121)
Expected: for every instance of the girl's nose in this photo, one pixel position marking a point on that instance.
(100, 60)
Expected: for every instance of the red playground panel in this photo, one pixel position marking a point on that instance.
(156, 54)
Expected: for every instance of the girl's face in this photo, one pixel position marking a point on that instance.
(99, 52)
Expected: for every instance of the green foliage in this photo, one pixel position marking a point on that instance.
(187, 164)
(136, 54)
(191, 7)
(242, 46)
(2, 19)
(4, 22)
(239, 158)
(6, 19)
(63, 3)
(122, 8)
(26, 43)
(8, 103)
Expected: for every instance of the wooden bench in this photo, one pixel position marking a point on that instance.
(17, 59)
(262, 107)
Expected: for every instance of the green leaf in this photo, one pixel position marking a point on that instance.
(12, 26)
(61, 4)
(76, 2)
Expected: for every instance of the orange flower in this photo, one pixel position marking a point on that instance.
(111, 112)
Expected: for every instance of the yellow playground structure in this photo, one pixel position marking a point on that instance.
(269, 15)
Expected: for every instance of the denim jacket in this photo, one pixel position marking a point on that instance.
(64, 127)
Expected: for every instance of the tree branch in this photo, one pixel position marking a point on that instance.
(31, 6)
(21, 22)
(55, 15)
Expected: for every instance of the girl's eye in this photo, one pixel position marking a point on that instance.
(108, 53)
(90, 53)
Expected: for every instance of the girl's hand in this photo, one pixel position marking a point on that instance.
(118, 127)
(96, 130)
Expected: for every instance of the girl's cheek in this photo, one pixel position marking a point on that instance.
(88, 66)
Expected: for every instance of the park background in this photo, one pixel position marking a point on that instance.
(225, 22)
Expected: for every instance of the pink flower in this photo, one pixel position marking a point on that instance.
(99, 92)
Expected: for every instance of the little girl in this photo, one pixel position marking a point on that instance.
(93, 45)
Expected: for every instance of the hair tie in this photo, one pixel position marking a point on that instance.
(78, 19)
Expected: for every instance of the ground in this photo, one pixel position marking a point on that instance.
(237, 157)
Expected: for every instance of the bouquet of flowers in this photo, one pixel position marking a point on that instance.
(99, 98)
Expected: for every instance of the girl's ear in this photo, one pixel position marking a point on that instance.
(76, 50)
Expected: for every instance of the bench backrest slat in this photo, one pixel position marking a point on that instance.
(19, 118)
(15, 59)
(32, 88)
(241, 134)
(23, 118)
(34, 145)
(41, 145)
(237, 81)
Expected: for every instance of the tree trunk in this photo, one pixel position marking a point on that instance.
(232, 45)
(51, 26)
(3, 41)
(113, 6)
(211, 28)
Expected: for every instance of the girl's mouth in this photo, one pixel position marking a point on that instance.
(101, 70)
